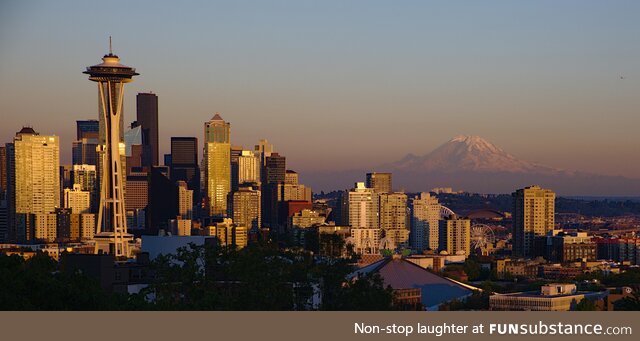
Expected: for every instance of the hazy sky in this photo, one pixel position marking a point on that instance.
(343, 84)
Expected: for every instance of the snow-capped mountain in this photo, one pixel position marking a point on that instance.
(469, 153)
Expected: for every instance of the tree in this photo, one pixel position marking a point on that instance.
(586, 305)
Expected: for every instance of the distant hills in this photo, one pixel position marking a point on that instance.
(473, 164)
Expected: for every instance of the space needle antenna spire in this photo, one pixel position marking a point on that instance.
(110, 49)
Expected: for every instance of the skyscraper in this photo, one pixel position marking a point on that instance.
(147, 117)
(264, 149)
(393, 210)
(533, 215)
(249, 168)
(379, 182)
(246, 208)
(425, 214)
(217, 164)
(236, 151)
(84, 149)
(112, 225)
(87, 129)
(455, 235)
(184, 163)
(34, 182)
(363, 207)
(273, 177)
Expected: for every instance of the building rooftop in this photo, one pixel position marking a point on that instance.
(399, 273)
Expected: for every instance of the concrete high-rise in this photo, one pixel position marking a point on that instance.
(77, 200)
(247, 208)
(249, 168)
(112, 236)
(425, 214)
(455, 235)
(33, 179)
(147, 117)
(533, 215)
(379, 182)
(217, 164)
(363, 206)
(393, 210)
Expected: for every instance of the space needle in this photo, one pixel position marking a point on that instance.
(111, 235)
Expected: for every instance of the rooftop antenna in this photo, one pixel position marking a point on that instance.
(110, 50)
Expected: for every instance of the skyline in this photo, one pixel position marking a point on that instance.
(581, 68)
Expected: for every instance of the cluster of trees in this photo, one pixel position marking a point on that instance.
(259, 277)
(36, 284)
(213, 277)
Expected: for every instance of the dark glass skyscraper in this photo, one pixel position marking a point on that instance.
(147, 117)
(87, 129)
(184, 163)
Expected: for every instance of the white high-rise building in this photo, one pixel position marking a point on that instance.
(77, 200)
(425, 216)
(249, 167)
(363, 207)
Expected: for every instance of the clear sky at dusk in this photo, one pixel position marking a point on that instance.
(343, 84)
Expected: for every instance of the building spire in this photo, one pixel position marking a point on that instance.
(110, 49)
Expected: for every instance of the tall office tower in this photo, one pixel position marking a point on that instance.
(185, 201)
(249, 168)
(264, 149)
(273, 176)
(217, 164)
(84, 152)
(393, 210)
(3, 169)
(379, 182)
(425, 214)
(163, 201)
(455, 235)
(275, 168)
(84, 148)
(34, 179)
(136, 197)
(184, 163)
(533, 215)
(112, 236)
(147, 117)
(291, 177)
(77, 200)
(236, 151)
(246, 207)
(87, 129)
(86, 177)
(363, 207)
